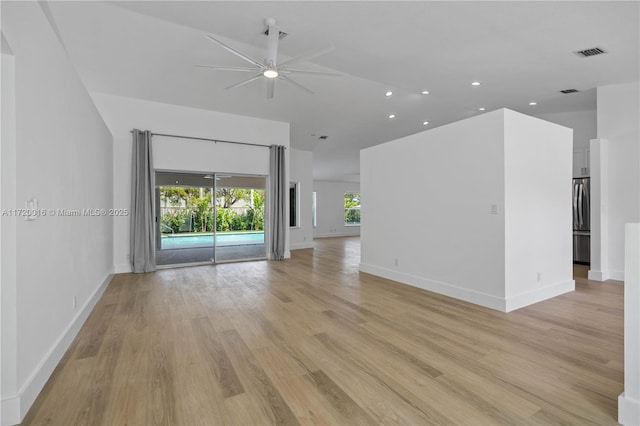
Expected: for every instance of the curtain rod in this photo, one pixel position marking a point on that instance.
(207, 139)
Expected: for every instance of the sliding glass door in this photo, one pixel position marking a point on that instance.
(204, 218)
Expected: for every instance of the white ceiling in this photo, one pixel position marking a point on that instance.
(519, 51)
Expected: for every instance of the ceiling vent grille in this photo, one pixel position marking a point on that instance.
(567, 91)
(590, 52)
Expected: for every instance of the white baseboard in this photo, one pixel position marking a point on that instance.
(122, 268)
(337, 234)
(18, 405)
(616, 275)
(597, 275)
(482, 299)
(538, 295)
(628, 411)
(10, 411)
(605, 275)
(306, 245)
(472, 296)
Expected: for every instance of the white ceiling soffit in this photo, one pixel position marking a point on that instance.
(520, 52)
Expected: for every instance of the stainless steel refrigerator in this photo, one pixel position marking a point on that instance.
(581, 221)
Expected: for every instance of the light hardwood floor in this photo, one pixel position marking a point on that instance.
(312, 341)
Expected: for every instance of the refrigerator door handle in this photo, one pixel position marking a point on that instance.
(575, 206)
(580, 206)
(587, 208)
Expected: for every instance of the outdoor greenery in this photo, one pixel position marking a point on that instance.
(196, 212)
(352, 208)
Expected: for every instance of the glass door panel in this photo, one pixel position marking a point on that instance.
(184, 217)
(239, 217)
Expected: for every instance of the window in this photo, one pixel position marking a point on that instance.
(352, 209)
(293, 204)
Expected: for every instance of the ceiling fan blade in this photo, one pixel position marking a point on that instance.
(270, 87)
(243, 82)
(308, 56)
(317, 73)
(227, 68)
(295, 83)
(238, 53)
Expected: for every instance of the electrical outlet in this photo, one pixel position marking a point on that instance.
(539, 276)
(395, 262)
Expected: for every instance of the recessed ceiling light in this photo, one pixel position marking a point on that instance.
(389, 93)
(392, 116)
(533, 103)
(475, 83)
(424, 123)
(482, 109)
(425, 92)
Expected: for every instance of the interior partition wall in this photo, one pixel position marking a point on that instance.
(206, 218)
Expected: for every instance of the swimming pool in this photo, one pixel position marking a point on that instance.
(179, 241)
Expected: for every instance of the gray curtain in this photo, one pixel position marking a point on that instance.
(277, 207)
(143, 250)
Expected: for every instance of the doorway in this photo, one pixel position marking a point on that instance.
(209, 218)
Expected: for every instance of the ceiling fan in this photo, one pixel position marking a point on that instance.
(270, 70)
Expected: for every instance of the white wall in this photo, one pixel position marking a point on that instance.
(583, 123)
(538, 210)
(330, 209)
(629, 400)
(123, 114)
(63, 158)
(302, 174)
(427, 202)
(619, 124)
(599, 244)
(8, 285)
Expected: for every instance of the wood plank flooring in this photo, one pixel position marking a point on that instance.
(312, 341)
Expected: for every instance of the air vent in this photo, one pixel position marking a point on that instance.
(567, 91)
(590, 52)
(323, 138)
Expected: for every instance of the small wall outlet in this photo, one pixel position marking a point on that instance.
(75, 302)
(494, 209)
(395, 262)
(539, 276)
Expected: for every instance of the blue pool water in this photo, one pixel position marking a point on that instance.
(206, 240)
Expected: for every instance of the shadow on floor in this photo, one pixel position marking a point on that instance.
(205, 254)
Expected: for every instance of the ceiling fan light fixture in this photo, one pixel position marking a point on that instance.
(269, 68)
(270, 73)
